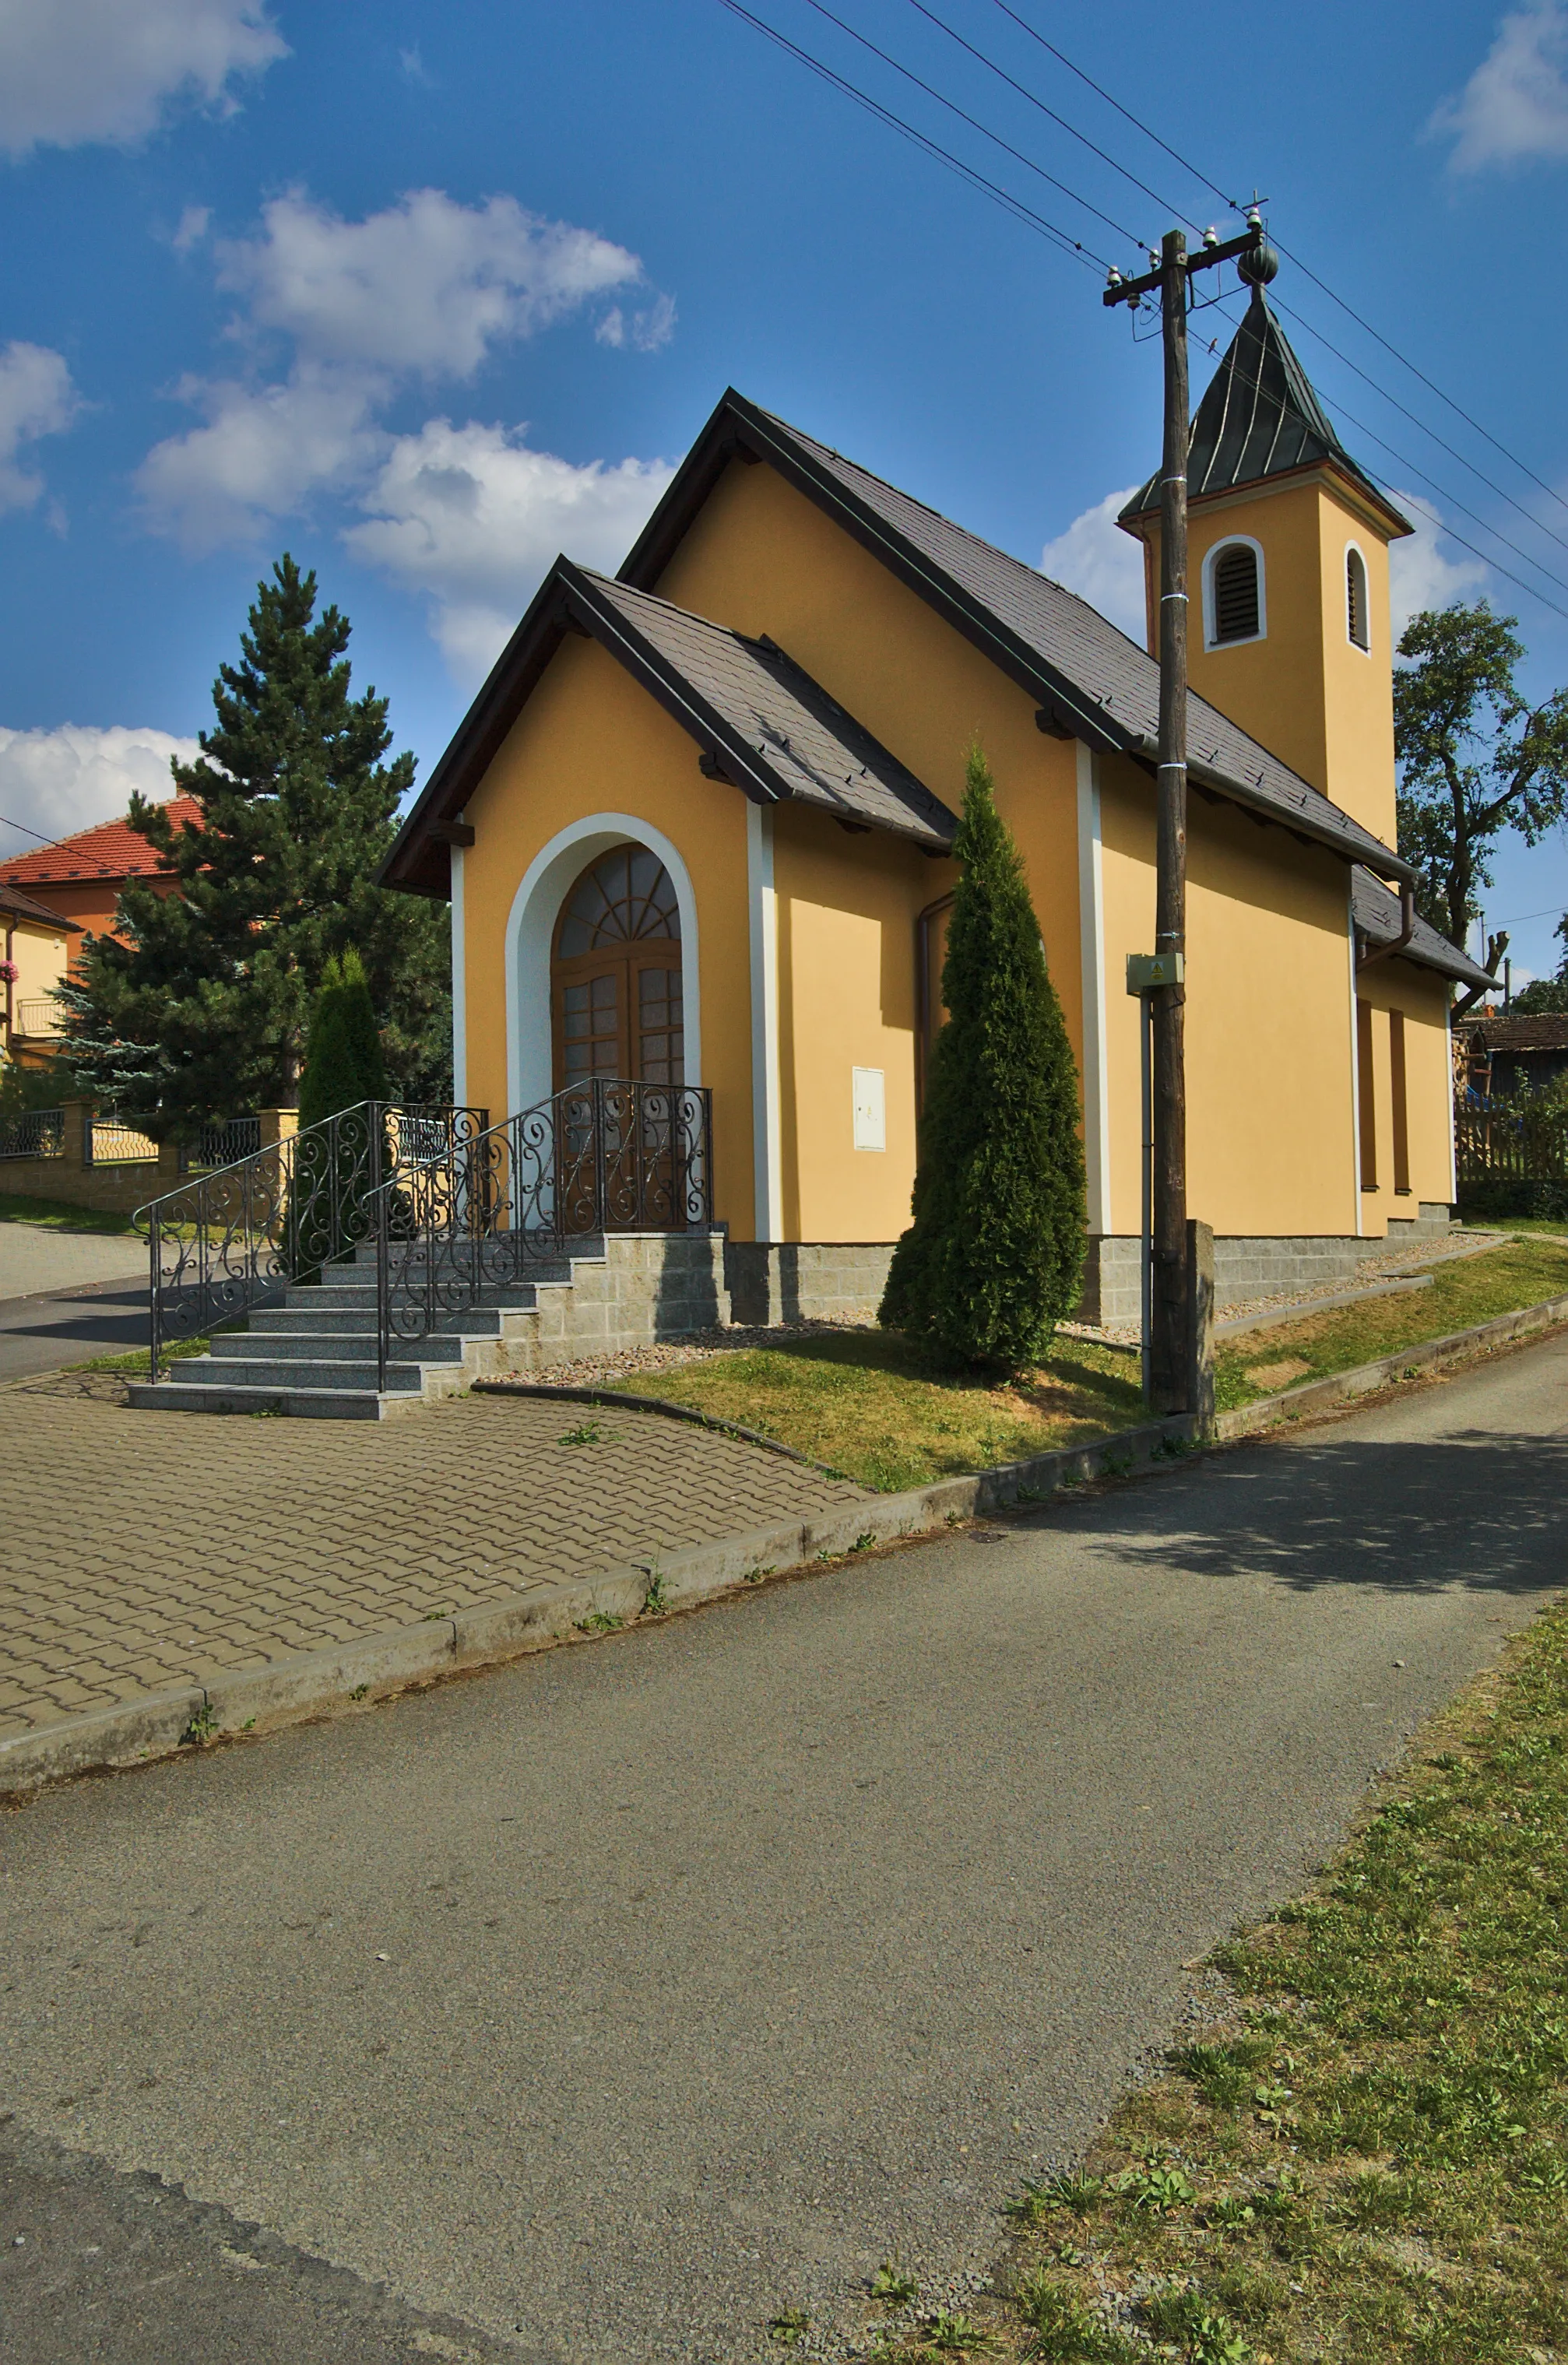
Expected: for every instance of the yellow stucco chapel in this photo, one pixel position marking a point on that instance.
(695, 827)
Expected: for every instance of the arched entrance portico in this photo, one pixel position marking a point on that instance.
(616, 1000)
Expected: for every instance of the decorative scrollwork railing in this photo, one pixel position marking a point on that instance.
(490, 1211)
(227, 1240)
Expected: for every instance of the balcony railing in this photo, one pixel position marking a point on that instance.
(37, 1016)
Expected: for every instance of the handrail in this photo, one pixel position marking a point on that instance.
(607, 1154)
(239, 1233)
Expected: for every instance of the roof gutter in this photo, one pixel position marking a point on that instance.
(1396, 945)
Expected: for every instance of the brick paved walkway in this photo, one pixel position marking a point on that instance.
(140, 1549)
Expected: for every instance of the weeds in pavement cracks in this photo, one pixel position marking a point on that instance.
(1364, 2157)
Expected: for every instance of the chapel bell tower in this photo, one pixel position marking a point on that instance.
(1288, 629)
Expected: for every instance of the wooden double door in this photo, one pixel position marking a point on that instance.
(615, 983)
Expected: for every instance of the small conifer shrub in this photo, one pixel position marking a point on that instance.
(343, 1062)
(993, 1258)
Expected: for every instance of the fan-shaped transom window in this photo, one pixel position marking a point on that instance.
(1357, 627)
(627, 896)
(1236, 601)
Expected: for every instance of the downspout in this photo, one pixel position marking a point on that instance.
(1397, 943)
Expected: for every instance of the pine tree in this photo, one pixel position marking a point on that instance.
(343, 1064)
(993, 1258)
(203, 1011)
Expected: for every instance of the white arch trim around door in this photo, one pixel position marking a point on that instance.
(531, 929)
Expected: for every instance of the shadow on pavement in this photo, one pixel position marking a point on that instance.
(1473, 1509)
(70, 1326)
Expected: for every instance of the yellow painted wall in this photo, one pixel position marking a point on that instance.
(846, 1000)
(591, 740)
(41, 957)
(1319, 703)
(762, 558)
(1270, 1099)
(1422, 998)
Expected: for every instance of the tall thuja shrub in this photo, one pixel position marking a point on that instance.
(992, 1259)
(344, 1067)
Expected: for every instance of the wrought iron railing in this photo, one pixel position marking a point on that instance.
(488, 1212)
(1522, 1142)
(228, 1240)
(37, 1133)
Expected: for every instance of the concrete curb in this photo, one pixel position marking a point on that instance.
(287, 1690)
(1431, 1354)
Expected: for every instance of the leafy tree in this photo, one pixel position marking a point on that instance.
(203, 1011)
(1475, 756)
(343, 1064)
(1547, 994)
(993, 1258)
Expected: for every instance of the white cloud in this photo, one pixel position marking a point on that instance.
(263, 450)
(643, 331)
(1420, 575)
(1101, 563)
(1513, 108)
(81, 70)
(57, 781)
(473, 517)
(427, 286)
(192, 229)
(37, 398)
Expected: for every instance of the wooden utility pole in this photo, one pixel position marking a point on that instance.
(1170, 1344)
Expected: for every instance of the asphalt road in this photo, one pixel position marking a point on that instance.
(71, 1326)
(606, 2005)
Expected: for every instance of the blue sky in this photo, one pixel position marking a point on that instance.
(425, 293)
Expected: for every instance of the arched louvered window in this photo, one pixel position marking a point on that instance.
(1358, 628)
(1236, 594)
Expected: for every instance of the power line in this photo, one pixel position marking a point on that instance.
(1443, 494)
(1034, 100)
(973, 121)
(1187, 165)
(25, 830)
(933, 148)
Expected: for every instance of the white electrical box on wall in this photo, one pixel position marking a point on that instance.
(870, 1109)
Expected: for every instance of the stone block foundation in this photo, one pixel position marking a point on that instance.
(772, 1282)
(1247, 1268)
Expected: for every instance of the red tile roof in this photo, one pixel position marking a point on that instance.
(113, 850)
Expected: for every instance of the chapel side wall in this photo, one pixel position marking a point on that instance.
(591, 740)
(760, 557)
(847, 909)
(1422, 999)
(1269, 1085)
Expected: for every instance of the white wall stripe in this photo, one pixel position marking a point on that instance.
(766, 1143)
(1092, 937)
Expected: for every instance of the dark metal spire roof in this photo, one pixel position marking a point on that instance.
(1260, 417)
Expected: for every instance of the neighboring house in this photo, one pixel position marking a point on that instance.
(1506, 1058)
(697, 824)
(81, 877)
(38, 945)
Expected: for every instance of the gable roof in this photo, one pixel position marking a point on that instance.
(112, 850)
(1091, 681)
(1377, 915)
(25, 907)
(758, 720)
(1260, 417)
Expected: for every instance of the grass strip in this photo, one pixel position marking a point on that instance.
(58, 1215)
(1367, 2161)
(1470, 1291)
(875, 1406)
